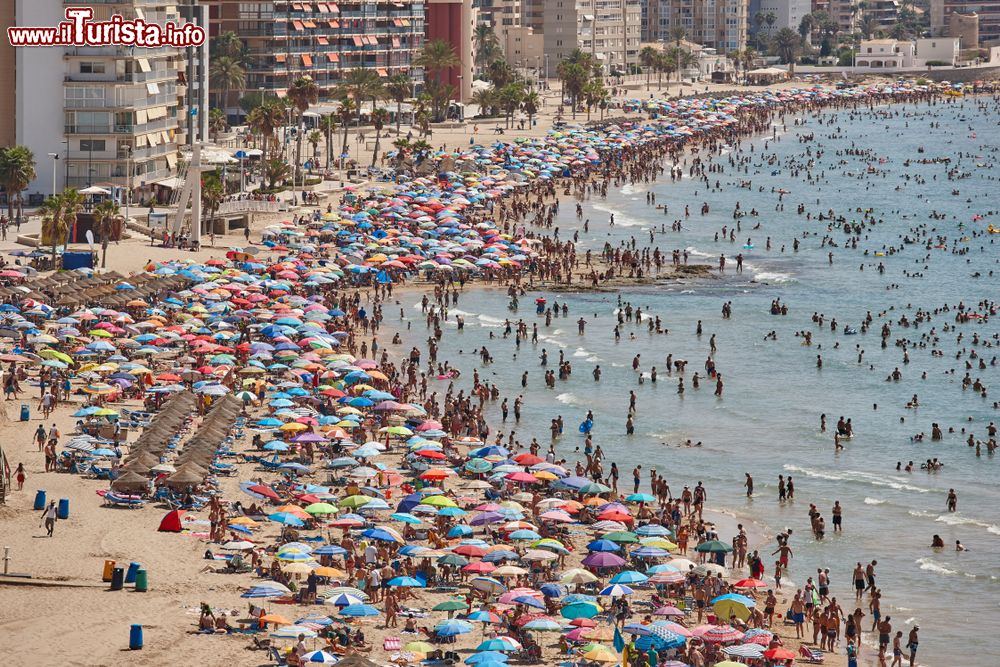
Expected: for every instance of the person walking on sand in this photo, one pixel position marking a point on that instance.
(49, 516)
(20, 476)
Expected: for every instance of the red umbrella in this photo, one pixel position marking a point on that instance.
(264, 491)
(528, 459)
(778, 653)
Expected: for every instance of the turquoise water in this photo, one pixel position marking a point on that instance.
(767, 422)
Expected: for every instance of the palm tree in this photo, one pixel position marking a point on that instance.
(17, 171)
(748, 57)
(53, 226)
(362, 84)
(328, 124)
(230, 45)
(212, 194)
(786, 44)
(345, 114)
(397, 88)
(105, 214)
(265, 121)
(217, 123)
(530, 105)
(225, 73)
(510, 98)
(314, 138)
(487, 46)
(379, 118)
(575, 72)
(485, 99)
(682, 60)
(770, 19)
(648, 57)
(437, 57)
(664, 64)
(275, 171)
(594, 94)
(500, 73)
(302, 93)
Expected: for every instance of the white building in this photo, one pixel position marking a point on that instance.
(885, 54)
(788, 14)
(939, 50)
(115, 116)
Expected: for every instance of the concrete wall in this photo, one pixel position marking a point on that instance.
(8, 67)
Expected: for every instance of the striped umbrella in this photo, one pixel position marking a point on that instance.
(722, 634)
(745, 651)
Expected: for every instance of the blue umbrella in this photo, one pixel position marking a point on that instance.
(452, 627)
(359, 610)
(629, 577)
(406, 582)
(287, 519)
(486, 656)
(603, 545)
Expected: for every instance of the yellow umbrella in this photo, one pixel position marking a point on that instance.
(49, 353)
(601, 654)
(292, 426)
(419, 647)
(331, 572)
(296, 568)
(244, 521)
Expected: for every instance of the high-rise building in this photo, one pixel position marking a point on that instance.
(987, 11)
(286, 40)
(454, 22)
(115, 116)
(610, 30)
(787, 14)
(716, 24)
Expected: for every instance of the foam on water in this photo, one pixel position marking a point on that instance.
(958, 520)
(875, 501)
(857, 476)
(621, 219)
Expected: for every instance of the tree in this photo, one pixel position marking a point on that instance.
(664, 64)
(758, 21)
(58, 217)
(681, 59)
(217, 123)
(530, 105)
(302, 93)
(362, 84)
(314, 138)
(345, 114)
(510, 98)
(487, 45)
(770, 19)
(379, 118)
(807, 25)
(500, 73)
(213, 192)
(647, 57)
(265, 121)
(486, 100)
(677, 34)
(17, 171)
(105, 215)
(436, 58)
(574, 72)
(594, 94)
(398, 87)
(275, 171)
(229, 44)
(225, 74)
(787, 43)
(748, 57)
(328, 125)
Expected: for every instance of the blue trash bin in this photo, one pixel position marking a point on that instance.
(130, 575)
(25, 412)
(63, 510)
(40, 499)
(135, 637)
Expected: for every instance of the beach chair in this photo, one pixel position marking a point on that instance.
(811, 656)
(392, 644)
(277, 657)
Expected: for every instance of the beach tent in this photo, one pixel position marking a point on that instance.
(171, 523)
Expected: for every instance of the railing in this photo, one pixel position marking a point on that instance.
(99, 129)
(247, 206)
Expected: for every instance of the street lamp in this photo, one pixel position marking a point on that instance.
(55, 166)
(128, 180)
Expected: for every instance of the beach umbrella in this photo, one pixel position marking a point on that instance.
(713, 546)
(616, 590)
(319, 657)
(750, 583)
(344, 600)
(542, 625)
(603, 545)
(486, 656)
(722, 634)
(359, 610)
(732, 604)
(629, 577)
(450, 605)
(602, 559)
(452, 627)
(750, 651)
(577, 576)
(580, 610)
(711, 568)
(293, 632)
(484, 616)
(498, 644)
(778, 653)
(652, 530)
(601, 654)
(406, 582)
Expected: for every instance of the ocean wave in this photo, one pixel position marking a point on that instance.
(456, 311)
(581, 352)
(875, 501)
(570, 398)
(489, 321)
(621, 219)
(553, 341)
(628, 189)
(959, 520)
(929, 565)
(593, 359)
(772, 277)
(859, 477)
(694, 252)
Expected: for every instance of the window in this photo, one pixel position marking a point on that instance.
(91, 67)
(84, 96)
(95, 145)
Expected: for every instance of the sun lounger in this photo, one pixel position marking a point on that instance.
(811, 655)
(115, 500)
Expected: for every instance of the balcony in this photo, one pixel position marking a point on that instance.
(99, 129)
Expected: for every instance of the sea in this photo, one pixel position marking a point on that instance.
(767, 423)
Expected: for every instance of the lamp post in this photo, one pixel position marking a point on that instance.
(55, 166)
(128, 180)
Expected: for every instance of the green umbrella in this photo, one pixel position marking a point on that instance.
(320, 508)
(450, 605)
(621, 536)
(453, 559)
(713, 546)
(355, 501)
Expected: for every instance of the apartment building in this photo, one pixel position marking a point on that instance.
(715, 24)
(109, 116)
(610, 30)
(987, 13)
(287, 40)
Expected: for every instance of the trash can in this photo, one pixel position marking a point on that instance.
(25, 412)
(117, 578)
(141, 584)
(130, 575)
(40, 499)
(109, 566)
(63, 510)
(135, 637)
